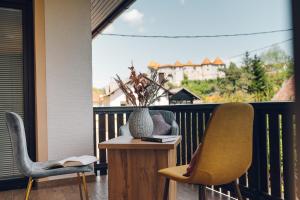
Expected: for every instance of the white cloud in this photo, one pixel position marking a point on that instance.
(182, 2)
(133, 17)
(109, 29)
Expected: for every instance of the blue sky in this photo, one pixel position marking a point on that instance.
(113, 55)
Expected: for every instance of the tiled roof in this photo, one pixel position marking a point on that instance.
(286, 92)
(154, 65)
(206, 61)
(189, 63)
(178, 63)
(218, 61)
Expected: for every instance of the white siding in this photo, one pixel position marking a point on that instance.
(204, 72)
(118, 97)
(69, 77)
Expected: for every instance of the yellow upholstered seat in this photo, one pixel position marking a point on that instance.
(175, 173)
(226, 151)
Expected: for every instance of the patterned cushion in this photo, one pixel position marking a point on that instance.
(160, 126)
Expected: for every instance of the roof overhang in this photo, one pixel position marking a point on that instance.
(184, 94)
(103, 12)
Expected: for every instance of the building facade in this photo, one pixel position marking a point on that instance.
(115, 97)
(178, 71)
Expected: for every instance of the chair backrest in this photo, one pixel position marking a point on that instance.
(167, 115)
(17, 135)
(226, 151)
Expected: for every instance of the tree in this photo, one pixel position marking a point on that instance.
(185, 79)
(274, 55)
(275, 59)
(259, 84)
(230, 84)
(289, 70)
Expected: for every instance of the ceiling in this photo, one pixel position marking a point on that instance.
(104, 12)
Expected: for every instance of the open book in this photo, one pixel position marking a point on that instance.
(73, 162)
(160, 138)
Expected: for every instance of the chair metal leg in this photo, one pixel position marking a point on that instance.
(28, 189)
(202, 194)
(79, 183)
(166, 189)
(85, 186)
(237, 190)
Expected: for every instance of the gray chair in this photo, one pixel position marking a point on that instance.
(168, 116)
(36, 170)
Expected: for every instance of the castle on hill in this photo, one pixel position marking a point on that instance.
(176, 72)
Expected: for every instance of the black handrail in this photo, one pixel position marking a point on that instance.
(271, 173)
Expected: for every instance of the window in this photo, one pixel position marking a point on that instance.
(16, 84)
(161, 77)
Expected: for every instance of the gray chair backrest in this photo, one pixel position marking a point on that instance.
(17, 135)
(167, 115)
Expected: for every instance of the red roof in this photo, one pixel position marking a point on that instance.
(178, 63)
(286, 92)
(206, 61)
(218, 61)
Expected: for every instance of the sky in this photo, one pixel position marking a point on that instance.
(113, 55)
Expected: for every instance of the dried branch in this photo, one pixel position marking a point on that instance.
(145, 90)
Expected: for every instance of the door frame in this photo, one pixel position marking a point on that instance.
(29, 84)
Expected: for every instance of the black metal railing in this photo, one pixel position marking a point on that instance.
(271, 173)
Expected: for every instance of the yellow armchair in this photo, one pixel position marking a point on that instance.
(226, 151)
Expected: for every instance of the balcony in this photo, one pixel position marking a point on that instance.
(98, 190)
(269, 177)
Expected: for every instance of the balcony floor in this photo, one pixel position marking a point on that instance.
(98, 190)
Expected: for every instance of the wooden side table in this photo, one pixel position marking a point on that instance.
(133, 166)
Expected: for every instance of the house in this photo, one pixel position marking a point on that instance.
(115, 96)
(287, 91)
(178, 71)
(183, 96)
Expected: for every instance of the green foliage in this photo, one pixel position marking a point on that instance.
(275, 57)
(289, 68)
(185, 79)
(259, 85)
(200, 88)
(275, 81)
(250, 78)
(170, 85)
(234, 80)
(257, 79)
(277, 60)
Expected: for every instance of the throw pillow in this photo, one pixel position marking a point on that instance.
(160, 126)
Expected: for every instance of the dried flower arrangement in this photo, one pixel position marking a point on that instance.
(145, 90)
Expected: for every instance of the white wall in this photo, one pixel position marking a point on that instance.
(118, 97)
(69, 77)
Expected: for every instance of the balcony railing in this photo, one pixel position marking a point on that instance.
(271, 173)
